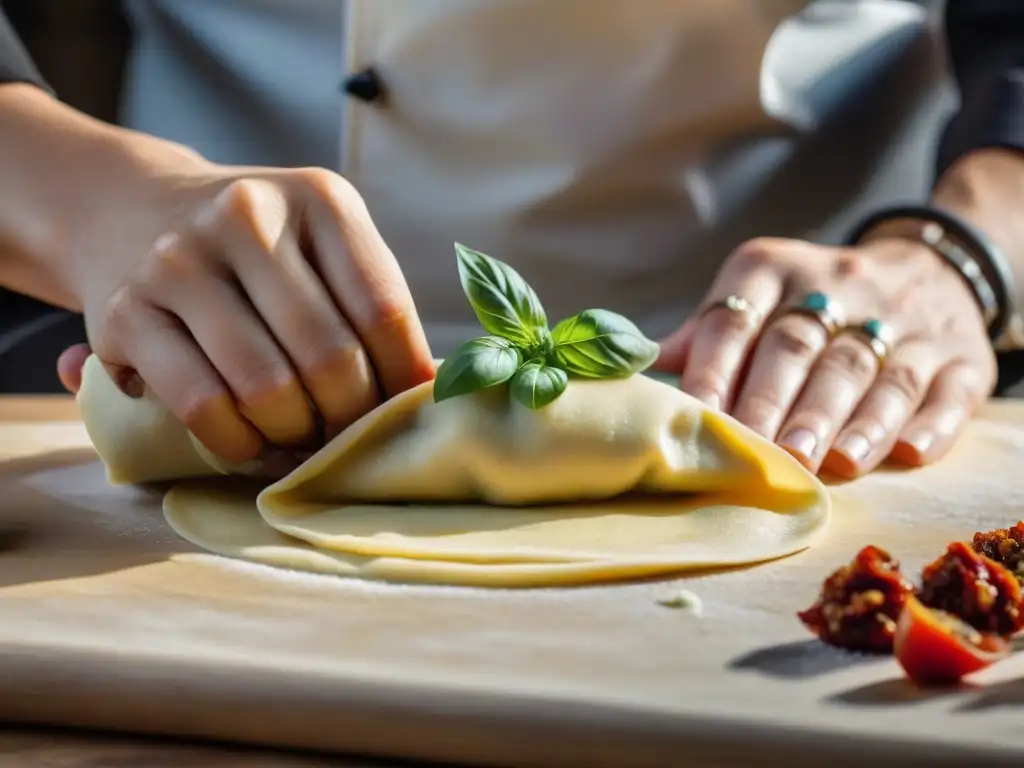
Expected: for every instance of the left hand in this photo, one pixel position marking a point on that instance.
(831, 401)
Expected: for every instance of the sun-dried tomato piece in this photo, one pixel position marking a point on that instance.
(860, 603)
(936, 647)
(1005, 546)
(975, 588)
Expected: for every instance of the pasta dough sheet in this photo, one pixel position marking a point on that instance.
(616, 479)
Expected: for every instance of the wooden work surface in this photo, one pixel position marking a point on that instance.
(34, 747)
(108, 621)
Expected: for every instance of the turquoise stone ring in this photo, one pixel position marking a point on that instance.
(815, 302)
(878, 335)
(819, 306)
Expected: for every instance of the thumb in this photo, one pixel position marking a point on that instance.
(675, 348)
(72, 360)
(69, 366)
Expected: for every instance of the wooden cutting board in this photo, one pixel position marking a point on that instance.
(107, 620)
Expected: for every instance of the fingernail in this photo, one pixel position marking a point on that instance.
(801, 441)
(920, 441)
(854, 446)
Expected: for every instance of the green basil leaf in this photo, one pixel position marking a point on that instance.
(476, 364)
(600, 344)
(503, 301)
(537, 384)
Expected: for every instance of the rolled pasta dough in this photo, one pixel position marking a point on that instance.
(615, 479)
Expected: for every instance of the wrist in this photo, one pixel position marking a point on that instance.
(67, 179)
(948, 246)
(986, 188)
(922, 264)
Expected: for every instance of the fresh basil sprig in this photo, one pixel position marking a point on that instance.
(504, 303)
(477, 364)
(522, 350)
(536, 384)
(602, 345)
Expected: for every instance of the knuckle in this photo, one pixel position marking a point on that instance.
(723, 321)
(970, 381)
(169, 262)
(762, 407)
(120, 310)
(320, 180)
(204, 402)
(240, 198)
(195, 402)
(904, 381)
(848, 264)
(331, 188)
(343, 382)
(760, 251)
(345, 359)
(390, 311)
(261, 380)
(707, 380)
(817, 418)
(797, 337)
(238, 205)
(854, 360)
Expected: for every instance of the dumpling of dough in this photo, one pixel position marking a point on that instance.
(616, 478)
(612, 468)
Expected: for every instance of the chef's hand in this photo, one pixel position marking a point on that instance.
(829, 399)
(249, 300)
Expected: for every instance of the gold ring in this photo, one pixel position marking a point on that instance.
(737, 304)
(820, 307)
(878, 335)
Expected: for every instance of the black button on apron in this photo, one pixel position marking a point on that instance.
(365, 85)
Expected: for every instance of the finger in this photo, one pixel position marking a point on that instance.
(675, 348)
(781, 363)
(956, 392)
(301, 315)
(897, 394)
(840, 377)
(235, 340)
(69, 366)
(256, 370)
(182, 378)
(367, 284)
(724, 336)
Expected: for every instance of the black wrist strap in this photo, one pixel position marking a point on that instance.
(998, 272)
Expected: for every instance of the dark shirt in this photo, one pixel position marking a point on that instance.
(986, 47)
(15, 64)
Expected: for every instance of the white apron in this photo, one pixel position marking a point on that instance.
(614, 151)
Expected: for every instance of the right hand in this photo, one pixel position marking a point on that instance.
(248, 301)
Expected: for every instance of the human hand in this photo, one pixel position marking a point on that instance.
(250, 301)
(828, 399)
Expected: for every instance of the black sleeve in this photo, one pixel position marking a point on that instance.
(16, 66)
(986, 49)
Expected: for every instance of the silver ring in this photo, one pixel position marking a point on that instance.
(878, 335)
(820, 307)
(736, 304)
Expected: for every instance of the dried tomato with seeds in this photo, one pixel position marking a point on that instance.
(1005, 546)
(860, 603)
(975, 588)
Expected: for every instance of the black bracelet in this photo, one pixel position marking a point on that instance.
(981, 247)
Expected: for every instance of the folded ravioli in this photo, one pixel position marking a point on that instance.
(616, 478)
